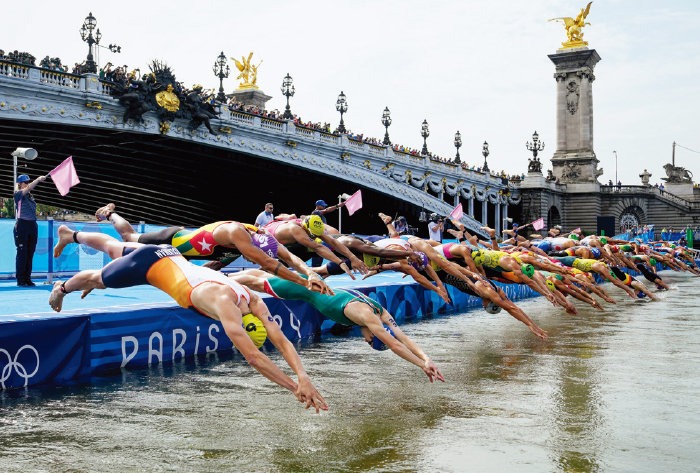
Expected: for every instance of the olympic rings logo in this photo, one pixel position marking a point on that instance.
(20, 369)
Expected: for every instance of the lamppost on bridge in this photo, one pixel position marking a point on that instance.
(536, 146)
(458, 144)
(86, 34)
(615, 153)
(221, 70)
(386, 121)
(425, 133)
(342, 106)
(288, 91)
(485, 152)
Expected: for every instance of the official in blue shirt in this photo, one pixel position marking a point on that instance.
(26, 230)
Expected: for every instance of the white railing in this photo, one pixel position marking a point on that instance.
(304, 132)
(14, 70)
(357, 144)
(271, 124)
(242, 117)
(329, 138)
(60, 79)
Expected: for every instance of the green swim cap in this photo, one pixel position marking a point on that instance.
(626, 247)
(574, 236)
(652, 261)
(603, 240)
(528, 270)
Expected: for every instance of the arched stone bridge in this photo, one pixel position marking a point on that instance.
(152, 171)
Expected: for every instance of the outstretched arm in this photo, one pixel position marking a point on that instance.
(305, 392)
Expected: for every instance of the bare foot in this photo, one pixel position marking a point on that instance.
(103, 212)
(65, 237)
(490, 231)
(385, 218)
(56, 297)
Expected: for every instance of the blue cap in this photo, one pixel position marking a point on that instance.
(22, 178)
(321, 203)
(377, 344)
(515, 224)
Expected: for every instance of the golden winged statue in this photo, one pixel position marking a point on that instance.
(249, 72)
(574, 27)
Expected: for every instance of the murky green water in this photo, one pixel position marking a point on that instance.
(618, 391)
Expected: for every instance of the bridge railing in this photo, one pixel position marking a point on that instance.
(649, 190)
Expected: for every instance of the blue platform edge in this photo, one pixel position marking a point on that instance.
(50, 348)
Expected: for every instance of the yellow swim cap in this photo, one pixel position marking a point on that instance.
(551, 285)
(478, 257)
(370, 261)
(314, 224)
(255, 329)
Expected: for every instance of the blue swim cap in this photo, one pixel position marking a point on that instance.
(641, 295)
(379, 345)
(595, 252)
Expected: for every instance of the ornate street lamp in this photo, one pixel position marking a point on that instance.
(221, 70)
(342, 106)
(86, 34)
(485, 152)
(288, 91)
(536, 146)
(386, 121)
(425, 133)
(458, 143)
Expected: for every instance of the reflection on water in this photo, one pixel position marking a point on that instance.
(613, 391)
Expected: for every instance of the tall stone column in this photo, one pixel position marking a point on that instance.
(484, 211)
(574, 161)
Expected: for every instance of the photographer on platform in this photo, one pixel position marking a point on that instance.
(435, 227)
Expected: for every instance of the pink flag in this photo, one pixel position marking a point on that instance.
(64, 176)
(576, 230)
(457, 213)
(354, 203)
(538, 224)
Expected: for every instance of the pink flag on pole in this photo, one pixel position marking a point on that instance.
(457, 213)
(576, 230)
(64, 176)
(538, 224)
(354, 203)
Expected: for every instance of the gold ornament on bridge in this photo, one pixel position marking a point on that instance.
(574, 27)
(249, 72)
(168, 100)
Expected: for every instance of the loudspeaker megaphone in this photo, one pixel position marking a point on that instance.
(508, 219)
(26, 153)
(344, 196)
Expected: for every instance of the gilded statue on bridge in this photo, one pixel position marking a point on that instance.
(249, 72)
(574, 27)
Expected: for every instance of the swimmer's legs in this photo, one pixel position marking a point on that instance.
(97, 241)
(124, 228)
(84, 281)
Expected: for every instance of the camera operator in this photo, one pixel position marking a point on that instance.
(435, 226)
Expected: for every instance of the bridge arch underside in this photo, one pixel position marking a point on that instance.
(167, 181)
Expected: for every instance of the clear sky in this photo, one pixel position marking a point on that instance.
(479, 67)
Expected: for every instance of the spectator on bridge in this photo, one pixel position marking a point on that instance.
(619, 186)
(610, 182)
(322, 209)
(26, 230)
(265, 216)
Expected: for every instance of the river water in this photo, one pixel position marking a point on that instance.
(615, 391)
